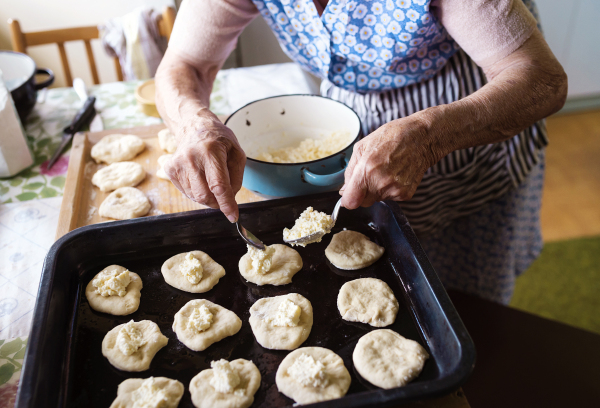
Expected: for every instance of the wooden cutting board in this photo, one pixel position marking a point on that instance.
(82, 199)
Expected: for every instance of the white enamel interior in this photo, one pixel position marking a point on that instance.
(16, 69)
(305, 117)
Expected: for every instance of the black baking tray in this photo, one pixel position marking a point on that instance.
(64, 366)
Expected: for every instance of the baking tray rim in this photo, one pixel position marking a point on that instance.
(449, 382)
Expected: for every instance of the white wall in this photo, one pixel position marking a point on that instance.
(572, 29)
(35, 15)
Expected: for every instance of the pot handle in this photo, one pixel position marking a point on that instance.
(47, 82)
(325, 180)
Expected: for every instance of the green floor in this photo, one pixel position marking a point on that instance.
(564, 284)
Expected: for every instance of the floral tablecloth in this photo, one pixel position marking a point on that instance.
(30, 202)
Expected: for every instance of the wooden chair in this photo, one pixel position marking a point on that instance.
(20, 41)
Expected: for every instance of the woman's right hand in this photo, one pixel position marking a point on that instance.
(208, 166)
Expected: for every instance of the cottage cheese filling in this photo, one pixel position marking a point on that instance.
(308, 149)
(225, 378)
(261, 260)
(310, 222)
(130, 339)
(149, 395)
(288, 314)
(200, 319)
(308, 371)
(191, 268)
(112, 283)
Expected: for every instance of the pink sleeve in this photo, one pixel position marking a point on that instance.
(487, 30)
(207, 30)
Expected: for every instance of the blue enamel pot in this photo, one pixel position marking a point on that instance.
(283, 121)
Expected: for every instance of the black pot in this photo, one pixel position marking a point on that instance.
(18, 72)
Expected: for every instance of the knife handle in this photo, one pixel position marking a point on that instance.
(83, 116)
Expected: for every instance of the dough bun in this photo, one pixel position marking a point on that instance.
(205, 396)
(125, 203)
(388, 360)
(210, 276)
(173, 390)
(160, 173)
(286, 263)
(351, 250)
(225, 323)
(116, 175)
(141, 359)
(116, 148)
(280, 337)
(167, 141)
(116, 305)
(337, 375)
(368, 300)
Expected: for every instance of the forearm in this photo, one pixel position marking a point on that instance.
(183, 94)
(525, 87)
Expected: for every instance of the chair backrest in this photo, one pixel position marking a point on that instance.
(20, 41)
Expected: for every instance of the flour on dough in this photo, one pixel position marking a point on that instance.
(167, 141)
(276, 327)
(204, 395)
(223, 323)
(352, 250)
(388, 360)
(286, 262)
(114, 304)
(160, 173)
(322, 375)
(117, 148)
(368, 300)
(121, 174)
(148, 392)
(151, 337)
(211, 272)
(125, 203)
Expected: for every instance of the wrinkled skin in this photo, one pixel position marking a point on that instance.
(208, 166)
(386, 165)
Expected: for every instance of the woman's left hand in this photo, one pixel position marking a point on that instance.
(388, 164)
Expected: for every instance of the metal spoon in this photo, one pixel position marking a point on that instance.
(249, 237)
(307, 239)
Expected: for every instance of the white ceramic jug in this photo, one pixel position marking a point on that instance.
(15, 155)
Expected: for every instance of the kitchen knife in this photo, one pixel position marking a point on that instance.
(82, 118)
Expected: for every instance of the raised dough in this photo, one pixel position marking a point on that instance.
(115, 175)
(280, 337)
(172, 388)
(352, 250)
(225, 323)
(285, 264)
(167, 141)
(211, 274)
(116, 148)
(116, 305)
(388, 360)
(140, 360)
(368, 300)
(205, 396)
(125, 203)
(160, 173)
(338, 377)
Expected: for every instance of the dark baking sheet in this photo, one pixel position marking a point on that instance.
(64, 366)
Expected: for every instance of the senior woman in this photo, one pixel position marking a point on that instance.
(451, 94)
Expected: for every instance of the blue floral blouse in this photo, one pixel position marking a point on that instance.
(361, 45)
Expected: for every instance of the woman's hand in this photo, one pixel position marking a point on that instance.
(208, 166)
(387, 165)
